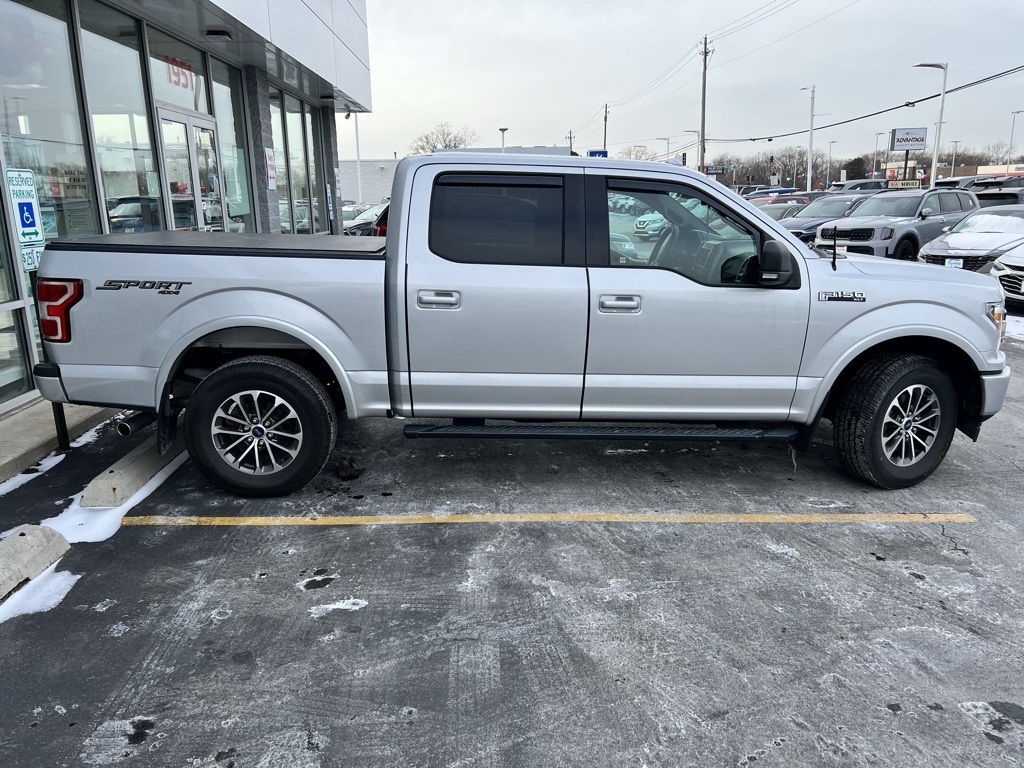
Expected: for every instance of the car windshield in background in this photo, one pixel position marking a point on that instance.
(823, 206)
(992, 221)
(370, 213)
(883, 205)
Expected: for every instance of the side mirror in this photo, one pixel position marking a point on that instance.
(946, 229)
(775, 264)
(925, 213)
(847, 212)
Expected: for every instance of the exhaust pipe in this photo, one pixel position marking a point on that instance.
(137, 421)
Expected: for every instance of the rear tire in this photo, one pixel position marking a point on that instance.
(895, 421)
(260, 426)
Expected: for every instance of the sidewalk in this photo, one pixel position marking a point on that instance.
(28, 434)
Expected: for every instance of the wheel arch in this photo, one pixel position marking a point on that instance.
(209, 346)
(952, 359)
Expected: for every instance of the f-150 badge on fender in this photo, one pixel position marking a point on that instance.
(841, 296)
(163, 287)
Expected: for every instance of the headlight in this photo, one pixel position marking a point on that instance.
(997, 314)
(998, 268)
(887, 233)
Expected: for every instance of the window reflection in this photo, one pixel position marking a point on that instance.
(124, 149)
(227, 97)
(177, 72)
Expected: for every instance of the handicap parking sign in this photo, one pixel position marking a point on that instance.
(26, 215)
(21, 185)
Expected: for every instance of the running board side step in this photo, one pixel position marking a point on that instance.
(552, 432)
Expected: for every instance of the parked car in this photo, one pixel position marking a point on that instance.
(989, 197)
(135, 214)
(1000, 182)
(648, 226)
(363, 223)
(978, 240)
(380, 224)
(780, 211)
(623, 250)
(961, 182)
(859, 186)
(817, 212)
(745, 189)
(897, 222)
(1008, 269)
(770, 192)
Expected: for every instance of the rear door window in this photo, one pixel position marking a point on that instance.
(949, 203)
(497, 219)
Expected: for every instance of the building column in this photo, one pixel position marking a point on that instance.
(257, 92)
(329, 132)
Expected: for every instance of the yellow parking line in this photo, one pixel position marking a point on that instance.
(558, 517)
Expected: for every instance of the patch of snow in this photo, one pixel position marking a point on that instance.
(88, 437)
(116, 630)
(609, 451)
(825, 504)
(78, 524)
(782, 549)
(1014, 328)
(34, 471)
(317, 611)
(42, 593)
(116, 741)
(60, 710)
(104, 605)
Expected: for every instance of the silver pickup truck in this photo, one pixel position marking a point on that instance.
(497, 302)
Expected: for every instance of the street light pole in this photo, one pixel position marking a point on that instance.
(874, 172)
(1009, 149)
(828, 167)
(810, 139)
(503, 139)
(938, 128)
(955, 144)
(668, 153)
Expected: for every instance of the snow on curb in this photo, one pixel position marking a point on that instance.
(41, 594)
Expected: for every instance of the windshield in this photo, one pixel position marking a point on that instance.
(823, 206)
(992, 221)
(125, 210)
(883, 205)
(370, 214)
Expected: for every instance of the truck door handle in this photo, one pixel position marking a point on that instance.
(438, 299)
(629, 304)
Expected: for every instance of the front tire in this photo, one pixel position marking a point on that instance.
(260, 426)
(895, 421)
(905, 250)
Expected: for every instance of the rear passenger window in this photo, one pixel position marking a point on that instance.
(965, 201)
(949, 203)
(496, 219)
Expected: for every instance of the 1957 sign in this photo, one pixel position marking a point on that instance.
(180, 73)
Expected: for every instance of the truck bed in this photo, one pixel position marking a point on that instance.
(230, 244)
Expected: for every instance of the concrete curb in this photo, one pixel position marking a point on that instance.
(40, 437)
(126, 477)
(27, 552)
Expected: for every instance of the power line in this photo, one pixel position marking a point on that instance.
(904, 105)
(715, 32)
(767, 13)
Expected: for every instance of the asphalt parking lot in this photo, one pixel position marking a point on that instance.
(481, 603)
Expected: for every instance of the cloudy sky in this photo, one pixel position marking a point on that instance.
(544, 67)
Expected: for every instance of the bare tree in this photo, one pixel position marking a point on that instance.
(442, 136)
(637, 152)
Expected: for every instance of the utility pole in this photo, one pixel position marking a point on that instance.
(569, 137)
(703, 103)
(604, 144)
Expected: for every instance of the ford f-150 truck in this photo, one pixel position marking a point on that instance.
(496, 302)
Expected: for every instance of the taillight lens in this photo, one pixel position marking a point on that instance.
(381, 230)
(55, 298)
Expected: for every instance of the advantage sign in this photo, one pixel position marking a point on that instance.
(714, 170)
(597, 153)
(21, 184)
(903, 139)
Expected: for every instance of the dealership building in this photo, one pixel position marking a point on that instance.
(139, 115)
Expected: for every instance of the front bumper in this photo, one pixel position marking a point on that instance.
(866, 249)
(993, 391)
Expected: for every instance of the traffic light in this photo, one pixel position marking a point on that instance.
(771, 160)
(682, 158)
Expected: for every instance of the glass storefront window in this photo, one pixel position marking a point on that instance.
(305, 216)
(13, 371)
(177, 72)
(41, 121)
(117, 104)
(228, 106)
(318, 195)
(280, 161)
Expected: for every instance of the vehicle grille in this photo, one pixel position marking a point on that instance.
(973, 263)
(1013, 283)
(641, 225)
(847, 234)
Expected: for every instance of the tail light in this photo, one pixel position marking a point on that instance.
(55, 298)
(381, 230)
